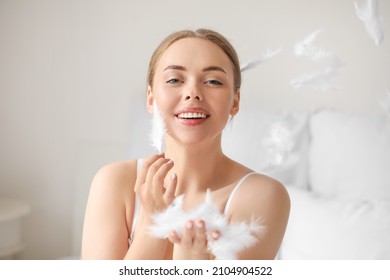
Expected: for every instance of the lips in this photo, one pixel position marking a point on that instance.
(192, 116)
(192, 113)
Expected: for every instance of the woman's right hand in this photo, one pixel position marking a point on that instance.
(149, 186)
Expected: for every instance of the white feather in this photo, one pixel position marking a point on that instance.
(268, 55)
(318, 79)
(306, 48)
(278, 143)
(234, 237)
(158, 129)
(369, 14)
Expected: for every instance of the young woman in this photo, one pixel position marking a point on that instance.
(194, 78)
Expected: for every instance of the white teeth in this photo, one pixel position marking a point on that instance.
(192, 116)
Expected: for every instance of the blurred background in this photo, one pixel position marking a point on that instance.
(72, 82)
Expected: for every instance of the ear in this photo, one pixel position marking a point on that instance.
(236, 104)
(149, 99)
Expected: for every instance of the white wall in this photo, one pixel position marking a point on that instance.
(72, 76)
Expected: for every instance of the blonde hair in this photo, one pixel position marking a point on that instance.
(206, 34)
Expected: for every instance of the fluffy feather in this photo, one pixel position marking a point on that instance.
(268, 55)
(318, 79)
(369, 14)
(278, 143)
(306, 48)
(234, 237)
(158, 129)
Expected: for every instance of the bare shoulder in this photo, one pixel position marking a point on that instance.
(114, 177)
(259, 192)
(112, 185)
(116, 170)
(109, 204)
(266, 199)
(266, 188)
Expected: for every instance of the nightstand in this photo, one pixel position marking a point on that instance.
(12, 212)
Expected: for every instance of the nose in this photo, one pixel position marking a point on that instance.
(193, 93)
(188, 97)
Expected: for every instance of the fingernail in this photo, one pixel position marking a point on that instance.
(173, 176)
(200, 224)
(215, 234)
(170, 161)
(160, 154)
(189, 224)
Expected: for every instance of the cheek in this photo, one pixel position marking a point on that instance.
(163, 91)
(165, 103)
(224, 104)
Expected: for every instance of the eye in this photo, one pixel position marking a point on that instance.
(173, 81)
(214, 82)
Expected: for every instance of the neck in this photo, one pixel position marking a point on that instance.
(197, 166)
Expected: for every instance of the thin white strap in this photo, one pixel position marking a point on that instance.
(136, 205)
(135, 216)
(229, 201)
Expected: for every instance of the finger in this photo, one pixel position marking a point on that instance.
(146, 163)
(200, 235)
(153, 168)
(169, 194)
(214, 235)
(159, 177)
(186, 239)
(174, 237)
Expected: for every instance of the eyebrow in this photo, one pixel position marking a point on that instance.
(214, 68)
(182, 68)
(175, 67)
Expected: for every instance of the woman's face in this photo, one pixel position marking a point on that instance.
(194, 90)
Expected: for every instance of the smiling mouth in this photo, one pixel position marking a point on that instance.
(192, 116)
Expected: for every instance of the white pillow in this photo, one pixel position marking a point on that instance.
(273, 143)
(349, 155)
(326, 229)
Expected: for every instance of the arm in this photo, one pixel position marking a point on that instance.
(105, 231)
(110, 210)
(267, 199)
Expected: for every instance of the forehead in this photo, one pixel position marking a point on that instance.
(195, 53)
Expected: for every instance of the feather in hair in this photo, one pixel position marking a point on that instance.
(158, 129)
(369, 14)
(234, 237)
(268, 55)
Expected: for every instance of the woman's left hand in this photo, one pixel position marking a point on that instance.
(194, 240)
